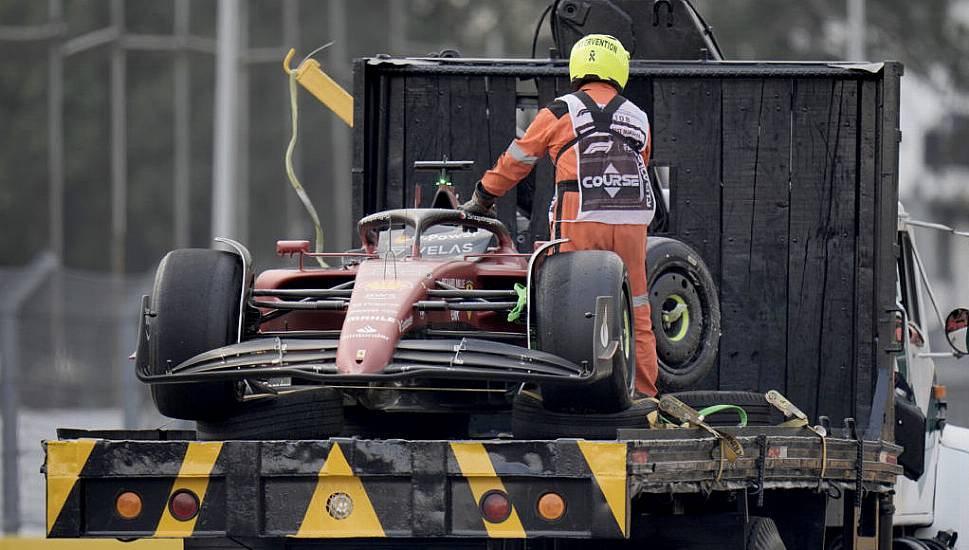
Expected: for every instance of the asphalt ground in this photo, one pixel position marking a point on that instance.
(33, 543)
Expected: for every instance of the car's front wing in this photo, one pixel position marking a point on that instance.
(315, 359)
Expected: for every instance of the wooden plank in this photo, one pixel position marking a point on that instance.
(396, 115)
(378, 200)
(544, 173)
(812, 104)
(836, 392)
(467, 110)
(501, 110)
(639, 90)
(469, 140)
(753, 290)
(687, 136)
(427, 126)
(865, 348)
(362, 173)
(886, 219)
(821, 256)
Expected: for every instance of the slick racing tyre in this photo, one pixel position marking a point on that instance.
(531, 420)
(195, 302)
(305, 414)
(566, 287)
(912, 543)
(685, 313)
(762, 535)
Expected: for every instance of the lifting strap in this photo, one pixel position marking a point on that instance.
(601, 123)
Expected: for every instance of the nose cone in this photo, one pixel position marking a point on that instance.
(381, 309)
(366, 346)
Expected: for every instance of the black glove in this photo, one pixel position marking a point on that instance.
(482, 203)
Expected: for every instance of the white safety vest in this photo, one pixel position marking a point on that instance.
(612, 179)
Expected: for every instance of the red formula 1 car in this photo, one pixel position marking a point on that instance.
(437, 312)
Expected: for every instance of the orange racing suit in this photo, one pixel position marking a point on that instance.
(552, 130)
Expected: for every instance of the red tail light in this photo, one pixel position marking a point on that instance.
(495, 506)
(184, 505)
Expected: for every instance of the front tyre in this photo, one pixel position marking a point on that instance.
(195, 301)
(566, 287)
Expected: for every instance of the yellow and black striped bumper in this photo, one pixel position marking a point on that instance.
(284, 488)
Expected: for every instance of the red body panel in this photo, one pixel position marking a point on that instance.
(381, 309)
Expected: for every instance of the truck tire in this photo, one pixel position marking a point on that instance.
(762, 535)
(531, 420)
(195, 301)
(566, 287)
(759, 411)
(680, 283)
(305, 414)
(912, 543)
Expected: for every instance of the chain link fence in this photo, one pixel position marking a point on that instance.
(107, 162)
(109, 134)
(66, 338)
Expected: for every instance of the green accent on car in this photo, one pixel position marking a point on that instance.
(516, 311)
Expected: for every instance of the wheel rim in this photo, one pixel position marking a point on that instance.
(677, 311)
(678, 320)
(626, 331)
(627, 345)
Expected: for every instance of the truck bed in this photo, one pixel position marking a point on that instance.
(409, 488)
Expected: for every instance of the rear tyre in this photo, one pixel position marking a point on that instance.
(685, 313)
(566, 287)
(195, 300)
(307, 414)
(762, 535)
(531, 420)
(759, 411)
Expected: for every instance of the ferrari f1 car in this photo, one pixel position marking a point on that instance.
(436, 312)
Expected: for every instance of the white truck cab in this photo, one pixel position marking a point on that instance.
(932, 510)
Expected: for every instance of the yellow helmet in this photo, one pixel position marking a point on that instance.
(601, 57)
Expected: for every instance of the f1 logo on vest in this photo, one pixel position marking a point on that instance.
(598, 147)
(611, 181)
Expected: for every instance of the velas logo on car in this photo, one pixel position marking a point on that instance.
(366, 329)
(611, 181)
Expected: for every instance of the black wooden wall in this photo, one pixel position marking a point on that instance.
(784, 179)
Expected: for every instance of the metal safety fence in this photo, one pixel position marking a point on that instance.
(65, 340)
